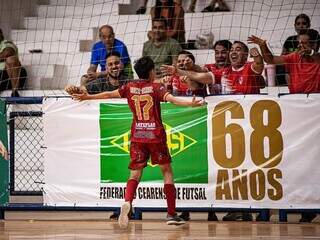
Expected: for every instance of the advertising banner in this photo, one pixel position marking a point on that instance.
(252, 151)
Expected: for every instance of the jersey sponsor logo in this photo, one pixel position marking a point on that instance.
(146, 126)
(144, 90)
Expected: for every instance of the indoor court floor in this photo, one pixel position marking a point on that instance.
(155, 229)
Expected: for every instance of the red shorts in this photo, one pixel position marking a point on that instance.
(141, 152)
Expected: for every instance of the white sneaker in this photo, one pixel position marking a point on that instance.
(175, 220)
(123, 219)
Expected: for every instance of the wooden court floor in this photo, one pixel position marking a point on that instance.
(155, 229)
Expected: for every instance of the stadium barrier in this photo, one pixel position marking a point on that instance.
(27, 126)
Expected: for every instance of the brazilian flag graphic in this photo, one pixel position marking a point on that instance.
(186, 130)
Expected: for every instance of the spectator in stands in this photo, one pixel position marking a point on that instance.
(182, 86)
(3, 151)
(173, 12)
(107, 43)
(301, 22)
(222, 62)
(115, 77)
(12, 74)
(241, 77)
(161, 49)
(303, 65)
(244, 77)
(214, 6)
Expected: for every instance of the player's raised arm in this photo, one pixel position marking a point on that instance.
(182, 102)
(258, 65)
(103, 95)
(201, 77)
(268, 57)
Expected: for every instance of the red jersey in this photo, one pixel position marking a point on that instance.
(182, 89)
(144, 99)
(218, 73)
(244, 80)
(304, 73)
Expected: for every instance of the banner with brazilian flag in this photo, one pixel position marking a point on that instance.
(236, 151)
(184, 127)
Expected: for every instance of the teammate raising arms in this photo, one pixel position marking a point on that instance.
(148, 136)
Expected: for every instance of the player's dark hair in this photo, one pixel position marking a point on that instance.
(245, 47)
(305, 17)
(189, 54)
(143, 67)
(161, 19)
(113, 53)
(314, 37)
(224, 43)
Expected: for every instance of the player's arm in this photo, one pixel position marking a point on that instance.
(266, 53)
(72, 89)
(103, 95)
(201, 77)
(182, 102)
(257, 65)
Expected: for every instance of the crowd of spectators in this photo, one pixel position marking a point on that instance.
(231, 72)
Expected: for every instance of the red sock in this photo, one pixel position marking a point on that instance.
(170, 192)
(132, 185)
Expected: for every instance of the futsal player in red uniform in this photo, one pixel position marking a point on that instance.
(148, 136)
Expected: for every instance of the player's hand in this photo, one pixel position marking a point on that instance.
(256, 40)
(80, 96)
(71, 89)
(91, 76)
(184, 79)
(254, 52)
(168, 69)
(304, 51)
(165, 80)
(3, 151)
(197, 103)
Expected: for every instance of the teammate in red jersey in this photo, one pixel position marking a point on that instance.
(241, 77)
(148, 137)
(303, 65)
(222, 62)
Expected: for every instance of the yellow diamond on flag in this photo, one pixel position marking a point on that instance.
(177, 141)
(122, 141)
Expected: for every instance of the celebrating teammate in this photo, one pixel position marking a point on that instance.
(148, 136)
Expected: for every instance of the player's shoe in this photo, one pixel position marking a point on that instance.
(237, 216)
(123, 219)
(175, 220)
